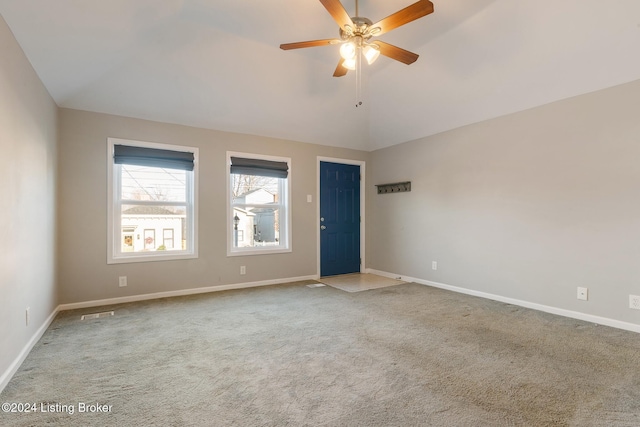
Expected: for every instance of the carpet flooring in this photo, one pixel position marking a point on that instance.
(291, 355)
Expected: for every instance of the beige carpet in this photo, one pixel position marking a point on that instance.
(359, 282)
(290, 355)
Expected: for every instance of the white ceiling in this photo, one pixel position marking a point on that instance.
(217, 64)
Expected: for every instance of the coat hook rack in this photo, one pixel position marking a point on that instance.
(396, 187)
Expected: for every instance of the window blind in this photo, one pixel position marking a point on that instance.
(259, 167)
(153, 157)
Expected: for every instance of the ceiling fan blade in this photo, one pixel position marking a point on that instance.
(404, 16)
(340, 69)
(311, 43)
(396, 53)
(337, 11)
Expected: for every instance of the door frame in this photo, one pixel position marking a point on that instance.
(363, 175)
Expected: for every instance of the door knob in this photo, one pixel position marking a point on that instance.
(322, 227)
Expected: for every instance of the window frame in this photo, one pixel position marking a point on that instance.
(114, 208)
(286, 210)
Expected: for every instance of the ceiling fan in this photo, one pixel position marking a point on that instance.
(356, 33)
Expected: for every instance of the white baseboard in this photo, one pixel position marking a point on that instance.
(540, 307)
(13, 368)
(182, 292)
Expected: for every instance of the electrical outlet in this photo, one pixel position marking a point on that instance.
(583, 294)
(434, 265)
(26, 315)
(122, 281)
(634, 302)
(243, 270)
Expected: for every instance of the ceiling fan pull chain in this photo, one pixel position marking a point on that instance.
(358, 78)
(358, 67)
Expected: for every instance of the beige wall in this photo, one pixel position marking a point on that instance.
(27, 212)
(83, 271)
(527, 206)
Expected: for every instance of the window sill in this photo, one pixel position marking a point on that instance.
(149, 258)
(257, 251)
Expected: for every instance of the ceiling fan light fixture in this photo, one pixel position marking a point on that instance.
(348, 50)
(349, 64)
(371, 53)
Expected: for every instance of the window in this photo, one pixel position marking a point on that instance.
(259, 215)
(152, 201)
(167, 238)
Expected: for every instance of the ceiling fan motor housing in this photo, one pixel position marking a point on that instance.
(362, 29)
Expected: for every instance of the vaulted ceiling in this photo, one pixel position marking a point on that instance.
(217, 64)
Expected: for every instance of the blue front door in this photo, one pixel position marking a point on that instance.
(339, 219)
